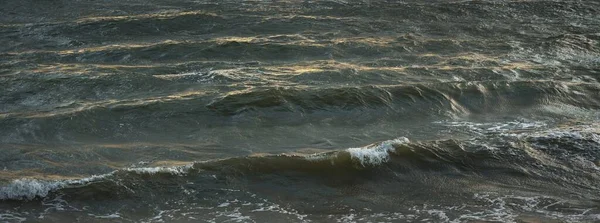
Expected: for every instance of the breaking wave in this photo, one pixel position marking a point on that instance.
(546, 154)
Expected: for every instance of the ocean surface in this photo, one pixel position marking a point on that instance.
(299, 111)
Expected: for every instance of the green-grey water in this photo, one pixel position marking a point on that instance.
(299, 111)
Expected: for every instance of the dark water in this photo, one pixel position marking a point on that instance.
(299, 111)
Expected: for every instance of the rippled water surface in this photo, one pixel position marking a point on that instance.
(299, 111)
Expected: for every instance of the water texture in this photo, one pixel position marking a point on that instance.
(299, 111)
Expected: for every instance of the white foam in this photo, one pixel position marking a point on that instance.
(318, 156)
(175, 170)
(506, 208)
(110, 216)
(581, 134)
(347, 218)
(8, 217)
(496, 127)
(28, 189)
(440, 214)
(376, 154)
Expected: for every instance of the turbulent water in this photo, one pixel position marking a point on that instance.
(300, 111)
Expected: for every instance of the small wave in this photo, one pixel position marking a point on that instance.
(28, 189)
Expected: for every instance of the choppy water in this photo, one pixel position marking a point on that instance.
(299, 111)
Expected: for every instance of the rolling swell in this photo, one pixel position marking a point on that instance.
(470, 97)
(174, 111)
(294, 105)
(455, 97)
(565, 157)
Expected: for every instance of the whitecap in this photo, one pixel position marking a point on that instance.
(175, 170)
(376, 154)
(30, 188)
(27, 188)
